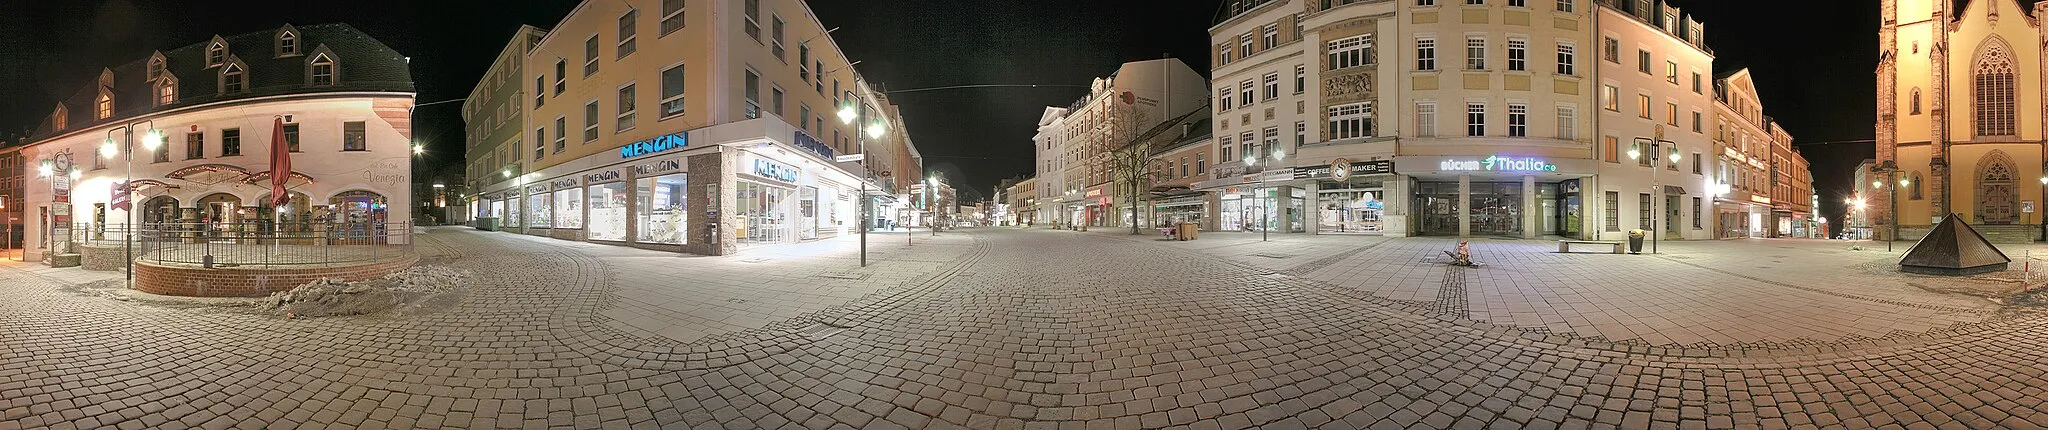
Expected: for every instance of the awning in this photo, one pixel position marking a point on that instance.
(1674, 189)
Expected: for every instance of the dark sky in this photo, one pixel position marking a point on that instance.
(1813, 60)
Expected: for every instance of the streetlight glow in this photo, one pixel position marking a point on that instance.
(74, 174)
(1634, 153)
(1675, 157)
(1903, 182)
(107, 149)
(1877, 184)
(44, 169)
(419, 149)
(846, 114)
(152, 139)
(875, 130)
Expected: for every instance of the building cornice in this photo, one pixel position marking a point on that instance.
(109, 125)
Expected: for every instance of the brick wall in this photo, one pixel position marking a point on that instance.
(248, 282)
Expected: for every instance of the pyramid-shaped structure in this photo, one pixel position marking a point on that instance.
(1953, 248)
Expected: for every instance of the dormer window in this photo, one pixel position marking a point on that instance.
(216, 54)
(104, 106)
(232, 80)
(322, 70)
(166, 91)
(58, 120)
(287, 44)
(156, 67)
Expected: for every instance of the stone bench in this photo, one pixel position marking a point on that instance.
(1565, 246)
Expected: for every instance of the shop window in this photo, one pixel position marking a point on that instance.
(607, 211)
(662, 213)
(539, 214)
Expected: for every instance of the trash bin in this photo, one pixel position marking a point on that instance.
(1186, 231)
(1635, 241)
(486, 223)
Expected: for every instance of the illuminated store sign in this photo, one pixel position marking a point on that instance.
(655, 145)
(808, 143)
(774, 170)
(1498, 163)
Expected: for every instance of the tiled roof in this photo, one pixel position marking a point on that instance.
(361, 64)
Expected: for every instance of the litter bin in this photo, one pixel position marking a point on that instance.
(1635, 241)
(486, 223)
(1186, 231)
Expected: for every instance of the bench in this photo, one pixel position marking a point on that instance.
(1565, 246)
(1167, 231)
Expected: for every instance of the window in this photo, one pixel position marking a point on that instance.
(1643, 211)
(775, 100)
(354, 137)
(1518, 3)
(1698, 126)
(1223, 54)
(1475, 53)
(1475, 119)
(1610, 147)
(590, 121)
(1696, 163)
(753, 93)
(1224, 96)
(1696, 213)
(629, 28)
(1201, 164)
(803, 60)
(1564, 5)
(291, 137)
(1613, 211)
(1184, 167)
(540, 143)
(1475, 2)
(1351, 121)
(1223, 149)
(1518, 55)
(195, 145)
(323, 70)
(1300, 133)
(232, 80)
(1612, 50)
(1567, 122)
(1567, 59)
(803, 116)
(1425, 54)
(1696, 84)
(1643, 61)
(672, 91)
(1248, 144)
(1351, 51)
(540, 91)
(105, 107)
(561, 134)
(166, 92)
(1610, 97)
(1914, 189)
(775, 36)
(1993, 90)
(1518, 120)
(1916, 102)
(287, 44)
(1300, 78)
(1244, 92)
(561, 76)
(156, 67)
(627, 106)
(589, 56)
(1425, 2)
(753, 13)
(1643, 105)
(1671, 114)
(216, 54)
(1271, 140)
(671, 16)
(1671, 72)
(230, 142)
(1270, 35)
(1272, 83)
(1244, 44)
(1642, 155)
(162, 154)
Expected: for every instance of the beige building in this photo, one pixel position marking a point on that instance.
(1050, 144)
(1263, 74)
(1117, 109)
(701, 126)
(1762, 186)
(1962, 88)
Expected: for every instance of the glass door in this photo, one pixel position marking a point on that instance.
(763, 218)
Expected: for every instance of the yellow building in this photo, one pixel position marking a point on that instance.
(1960, 125)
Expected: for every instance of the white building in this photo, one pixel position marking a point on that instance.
(1052, 187)
(345, 100)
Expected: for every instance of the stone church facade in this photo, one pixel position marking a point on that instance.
(1962, 109)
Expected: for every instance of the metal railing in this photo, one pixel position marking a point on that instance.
(257, 244)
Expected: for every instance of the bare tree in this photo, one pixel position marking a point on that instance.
(1131, 162)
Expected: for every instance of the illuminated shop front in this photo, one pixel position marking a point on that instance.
(1350, 196)
(1498, 195)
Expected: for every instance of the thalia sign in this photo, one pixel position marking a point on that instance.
(657, 144)
(1498, 163)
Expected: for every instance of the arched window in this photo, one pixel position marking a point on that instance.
(1914, 188)
(1916, 102)
(1994, 94)
(322, 70)
(232, 80)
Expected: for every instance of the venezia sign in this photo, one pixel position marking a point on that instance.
(656, 145)
(1498, 163)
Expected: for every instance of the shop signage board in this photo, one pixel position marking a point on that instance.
(536, 189)
(604, 176)
(808, 143)
(1496, 163)
(1342, 169)
(565, 183)
(773, 170)
(658, 167)
(658, 144)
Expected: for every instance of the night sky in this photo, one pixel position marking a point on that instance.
(1813, 60)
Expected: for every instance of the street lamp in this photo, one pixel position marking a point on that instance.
(150, 140)
(850, 115)
(1265, 213)
(930, 188)
(1656, 146)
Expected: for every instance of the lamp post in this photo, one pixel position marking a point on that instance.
(1891, 185)
(1265, 213)
(930, 189)
(150, 141)
(863, 129)
(1656, 147)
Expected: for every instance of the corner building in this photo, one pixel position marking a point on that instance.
(1462, 118)
(1962, 91)
(700, 126)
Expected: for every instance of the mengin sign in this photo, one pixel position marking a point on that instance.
(774, 170)
(1498, 163)
(657, 144)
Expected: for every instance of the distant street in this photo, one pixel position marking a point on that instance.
(1010, 328)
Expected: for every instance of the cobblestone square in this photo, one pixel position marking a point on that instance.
(1015, 328)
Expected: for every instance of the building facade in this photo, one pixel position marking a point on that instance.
(1117, 109)
(756, 130)
(494, 115)
(1962, 91)
(343, 98)
(13, 175)
(1050, 145)
(1264, 77)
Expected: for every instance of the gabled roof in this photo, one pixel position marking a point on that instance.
(363, 64)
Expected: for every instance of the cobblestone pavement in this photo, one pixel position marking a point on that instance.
(1031, 329)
